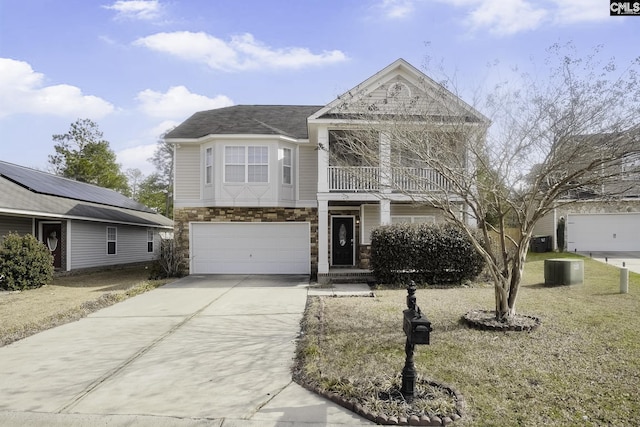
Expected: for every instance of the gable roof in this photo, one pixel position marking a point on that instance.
(376, 94)
(285, 120)
(29, 192)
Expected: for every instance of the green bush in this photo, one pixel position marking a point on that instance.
(25, 263)
(425, 253)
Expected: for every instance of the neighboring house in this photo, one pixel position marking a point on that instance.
(84, 226)
(604, 217)
(256, 190)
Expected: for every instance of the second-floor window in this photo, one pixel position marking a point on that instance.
(631, 167)
(286, 165)
(208, 166)
(246, 164)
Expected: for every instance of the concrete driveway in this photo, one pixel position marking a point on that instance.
(631, 260)
(204, 350)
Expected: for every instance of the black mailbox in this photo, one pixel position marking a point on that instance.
(416, 327)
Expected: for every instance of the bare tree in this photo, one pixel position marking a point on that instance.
(551, 137)
(135, 177)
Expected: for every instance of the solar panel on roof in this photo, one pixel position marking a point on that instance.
(44, 183)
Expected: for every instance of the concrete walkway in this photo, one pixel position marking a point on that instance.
(202, 351)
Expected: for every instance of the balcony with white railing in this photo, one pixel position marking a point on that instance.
(370, 179)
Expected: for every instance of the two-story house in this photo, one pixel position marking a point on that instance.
(257, 189)
(603, 216)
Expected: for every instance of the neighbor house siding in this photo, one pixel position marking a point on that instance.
(89, 245)
(18, 225)
(308, 173)
(187, 171)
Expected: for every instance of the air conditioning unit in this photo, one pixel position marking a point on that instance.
(563, 271)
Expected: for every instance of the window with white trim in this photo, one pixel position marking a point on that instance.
(286, 166)
(418, 219)
(631, 167)
(112, 239)
(234, 164)
(150, 236)
(208, 166)
(246, 164)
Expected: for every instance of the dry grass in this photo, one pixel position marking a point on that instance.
(580, 368)
(67, 299)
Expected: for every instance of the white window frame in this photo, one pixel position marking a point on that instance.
(287, 178)
(208, 165)
(150, 239)
(247, 164)
(113, 240)
(631, 167)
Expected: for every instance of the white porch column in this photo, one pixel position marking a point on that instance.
(323, 159)
(385, 212)
(323, 236)
(384, 147)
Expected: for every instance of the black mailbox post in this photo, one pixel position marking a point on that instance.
(417, 329)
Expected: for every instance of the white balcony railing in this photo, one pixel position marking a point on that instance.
(353, 178)
(356, 178)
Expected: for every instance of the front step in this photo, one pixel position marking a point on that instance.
(346, 276)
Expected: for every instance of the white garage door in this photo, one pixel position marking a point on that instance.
(603, 232)
(250, 248)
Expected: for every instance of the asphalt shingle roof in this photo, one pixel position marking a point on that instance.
(32, 192)
(53, 185)
(285, 120)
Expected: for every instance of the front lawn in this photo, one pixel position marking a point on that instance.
(580, 367)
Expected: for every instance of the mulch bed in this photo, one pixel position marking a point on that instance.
(486, 320)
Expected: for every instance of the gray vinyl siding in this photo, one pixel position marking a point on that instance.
(15, 224)
(89, 245)
(187, 171)
(308, 173)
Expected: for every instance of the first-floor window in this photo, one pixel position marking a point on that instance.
(150, 240)
(403, 219)
(112, 237)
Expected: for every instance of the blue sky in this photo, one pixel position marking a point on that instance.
(139, 67)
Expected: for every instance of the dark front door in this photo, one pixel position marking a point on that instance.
(51, 237)
(342, 241)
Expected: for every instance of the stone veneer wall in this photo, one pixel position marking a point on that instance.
(183, 216)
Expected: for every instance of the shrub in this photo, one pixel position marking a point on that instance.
(170, 263)
(25, 263)
(433, 254)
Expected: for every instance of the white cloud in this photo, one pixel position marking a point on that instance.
(136, 9)
(397, 9)
(575, 11)
(137, 158)
(505, 18)
(164, 127)
(177, 103)
(242, 52)
(22, 90)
